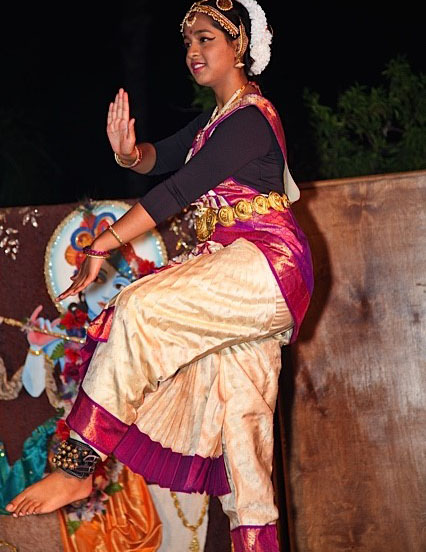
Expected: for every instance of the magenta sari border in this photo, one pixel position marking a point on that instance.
(158, 464)
(97, 339)
(88, 441)
(95, 424)
(294, 314)
(266, 538)
(169, 469)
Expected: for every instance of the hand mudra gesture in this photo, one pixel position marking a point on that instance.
(120, 128)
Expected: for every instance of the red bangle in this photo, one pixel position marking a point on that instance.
(93, 253)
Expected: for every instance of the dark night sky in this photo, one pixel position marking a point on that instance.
(62, 64)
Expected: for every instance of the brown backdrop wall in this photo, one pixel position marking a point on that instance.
(354, 405)
(351, 431)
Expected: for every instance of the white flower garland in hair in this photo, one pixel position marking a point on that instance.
(261, 37)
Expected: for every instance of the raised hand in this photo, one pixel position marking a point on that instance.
(120, 128)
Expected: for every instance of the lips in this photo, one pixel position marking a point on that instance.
(197, 67)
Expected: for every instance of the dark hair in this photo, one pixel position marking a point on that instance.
(237, 14)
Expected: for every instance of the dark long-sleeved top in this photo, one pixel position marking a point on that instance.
(243, 146)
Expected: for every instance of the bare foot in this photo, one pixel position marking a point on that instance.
(54, 491)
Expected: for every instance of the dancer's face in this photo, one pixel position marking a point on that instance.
(210, 56)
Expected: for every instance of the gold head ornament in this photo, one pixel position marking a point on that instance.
(224, 5)
(214, 13)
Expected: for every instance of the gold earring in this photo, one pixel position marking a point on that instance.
(242, 46)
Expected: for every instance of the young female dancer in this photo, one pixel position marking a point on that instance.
(182, 366)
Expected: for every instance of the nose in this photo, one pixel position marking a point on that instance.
(192, 51)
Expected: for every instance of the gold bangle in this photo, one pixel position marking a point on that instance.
(116, 236)
(120, 162)
(97, 256)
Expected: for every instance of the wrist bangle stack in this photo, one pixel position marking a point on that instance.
(116, 236)
(95, 254)
(138, 159)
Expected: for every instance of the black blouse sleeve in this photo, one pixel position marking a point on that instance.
(242, 137)
(172, 151)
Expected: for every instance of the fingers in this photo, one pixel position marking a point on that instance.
(81, 283)
(35, 314)
(131, 129)
(109, 116)
(119, 108)
(73, 290)
(114, 108)
(126, 108)
(123, 105)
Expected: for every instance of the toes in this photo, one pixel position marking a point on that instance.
(15, 503)
(29, 508)
(21, 507)
(33, 506)
(11, 507)
(26, 507)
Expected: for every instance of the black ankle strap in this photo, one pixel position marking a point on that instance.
(76, 458)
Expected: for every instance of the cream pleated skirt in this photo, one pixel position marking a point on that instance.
(191, 364)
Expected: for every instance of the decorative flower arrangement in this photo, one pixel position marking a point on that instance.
(74, 319)
(261, 37)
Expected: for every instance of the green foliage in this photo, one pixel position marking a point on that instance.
(373, 130)
(58, 351)
(113, 488)
(204, 98)
(72, 526)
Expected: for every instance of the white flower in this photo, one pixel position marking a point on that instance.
(261, 37)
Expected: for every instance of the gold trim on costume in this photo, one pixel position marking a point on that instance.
(206, 220)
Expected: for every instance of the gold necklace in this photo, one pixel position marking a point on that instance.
(194, 545)
(219, 112)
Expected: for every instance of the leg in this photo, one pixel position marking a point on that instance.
(165, 323)
(251, 370)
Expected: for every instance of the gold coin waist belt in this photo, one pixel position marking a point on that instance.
(243, 210)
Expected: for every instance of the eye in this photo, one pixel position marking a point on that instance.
(205, 39)
(101, 277)
(119, 286)
(186, 45)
